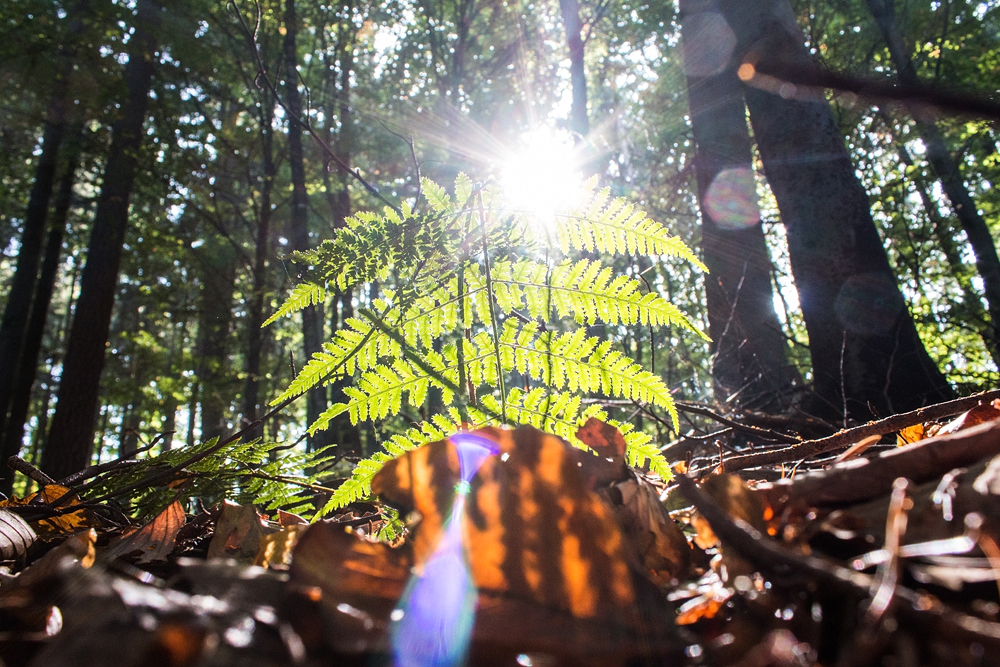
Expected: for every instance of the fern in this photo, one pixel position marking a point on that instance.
(475, 300)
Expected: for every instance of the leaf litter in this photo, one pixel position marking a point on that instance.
(891, 556)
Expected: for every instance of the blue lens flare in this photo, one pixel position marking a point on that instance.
(432, 625)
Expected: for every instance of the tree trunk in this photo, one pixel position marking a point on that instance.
(750, 366)
(214, 321)
(13, 435)
(866, 353)
(262, 250)
(948, 172)
(570, 10)
(312, 320)
(71, 440)
(346, 435)
(22, 288)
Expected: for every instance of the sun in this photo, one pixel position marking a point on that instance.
(542, 177)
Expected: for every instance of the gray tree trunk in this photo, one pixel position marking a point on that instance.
(749, 357)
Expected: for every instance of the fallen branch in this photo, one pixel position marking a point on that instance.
(859, 480)
(891, 424)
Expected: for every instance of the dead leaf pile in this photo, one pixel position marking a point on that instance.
(891, 557)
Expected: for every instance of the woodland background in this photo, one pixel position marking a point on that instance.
(156, 173)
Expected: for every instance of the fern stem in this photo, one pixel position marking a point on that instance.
(493, 309)
(415, 358)
(460, 346)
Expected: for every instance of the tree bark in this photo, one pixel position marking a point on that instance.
(214, 321)
(262, 250)
(24, 381)
(750, 365)
(22, 288)
(866, 353)
(312, 320)
(71, 439)
(579, 122)
(949, 173)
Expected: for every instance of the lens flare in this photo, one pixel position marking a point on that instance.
(543, 177)
(433, 622)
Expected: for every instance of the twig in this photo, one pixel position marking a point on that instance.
(769, 73)
(20, 465)
(850, 436)
(746, 428)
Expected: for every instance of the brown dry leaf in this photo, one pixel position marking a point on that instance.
(155, 540)
(534, 530)
(16, 536)
(731, 494)
(276, 548)
(238, 533)
(911, 434)
(603, 438)
(663, 549)
(984, 412)
(61, 524)
(289, 519)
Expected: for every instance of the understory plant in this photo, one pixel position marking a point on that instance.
(484, 316)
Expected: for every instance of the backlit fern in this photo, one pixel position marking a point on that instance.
(483, 313)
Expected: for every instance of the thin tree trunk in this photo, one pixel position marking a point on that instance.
(750, 364)
(948, 172)
(28, 366)
(945, 236)
(71, 440)
(866, 353)
(262, 250)
(29, 256)
(346, 435)
(312, 320)
(214, 322)
(570, 10)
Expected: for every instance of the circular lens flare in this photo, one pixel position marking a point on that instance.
(543, 176)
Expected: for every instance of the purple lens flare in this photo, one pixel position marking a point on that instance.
(432, 624)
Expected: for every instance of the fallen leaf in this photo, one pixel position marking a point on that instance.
(16, 536)
(603, 438)
(984, 412)
(534, 530)
(238, 532)
(662, 547)
(61, 524)
(289, 519)
(911, 434)
(276, 548)
(155, 540)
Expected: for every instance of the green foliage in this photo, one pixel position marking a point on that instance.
(478, 302)
(257, 472)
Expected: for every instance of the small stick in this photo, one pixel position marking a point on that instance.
(28, 470)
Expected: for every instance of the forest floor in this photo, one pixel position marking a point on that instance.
(881, 553)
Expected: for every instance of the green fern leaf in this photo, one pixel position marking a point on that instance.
(302, 296)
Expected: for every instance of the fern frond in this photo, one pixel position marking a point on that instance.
(582, 364)
(617, 228)
(302, 296)
(357, 346)
(640, 450)
(360, 483)
(560, 413)
(585, 290)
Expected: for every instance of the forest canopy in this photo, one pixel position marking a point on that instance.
(173, 172)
